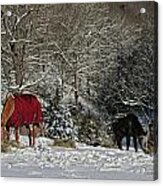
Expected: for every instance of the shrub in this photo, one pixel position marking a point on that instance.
(61, 125)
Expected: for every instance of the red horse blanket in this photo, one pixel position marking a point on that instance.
(27, 110)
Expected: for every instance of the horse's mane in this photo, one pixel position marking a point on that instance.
(10, 94)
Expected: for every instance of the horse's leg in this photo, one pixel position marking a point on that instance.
(135, 143)
(3, 134)
(33, 134)
(29, 135)
(119, 143)
(127, 142)
(8, 132)
(16, 134)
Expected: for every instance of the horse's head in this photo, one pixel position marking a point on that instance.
(143, 140)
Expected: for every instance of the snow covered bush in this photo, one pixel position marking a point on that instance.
(61, 124)
(91, 131)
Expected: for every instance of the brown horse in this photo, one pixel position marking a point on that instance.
(23, 109)
(129, 126)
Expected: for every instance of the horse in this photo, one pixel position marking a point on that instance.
(19, 110)
(129, 126)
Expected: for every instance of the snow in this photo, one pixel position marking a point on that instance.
(45, 160)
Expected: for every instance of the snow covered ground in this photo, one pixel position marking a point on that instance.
(88, 162)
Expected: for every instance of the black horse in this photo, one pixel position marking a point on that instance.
(128, 126)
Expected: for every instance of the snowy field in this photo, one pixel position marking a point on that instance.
(86, 162)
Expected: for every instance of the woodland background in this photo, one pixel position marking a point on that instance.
(88, 63)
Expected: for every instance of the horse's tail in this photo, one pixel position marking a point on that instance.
(7, 112)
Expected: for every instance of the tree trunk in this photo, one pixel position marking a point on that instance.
(76, 93)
